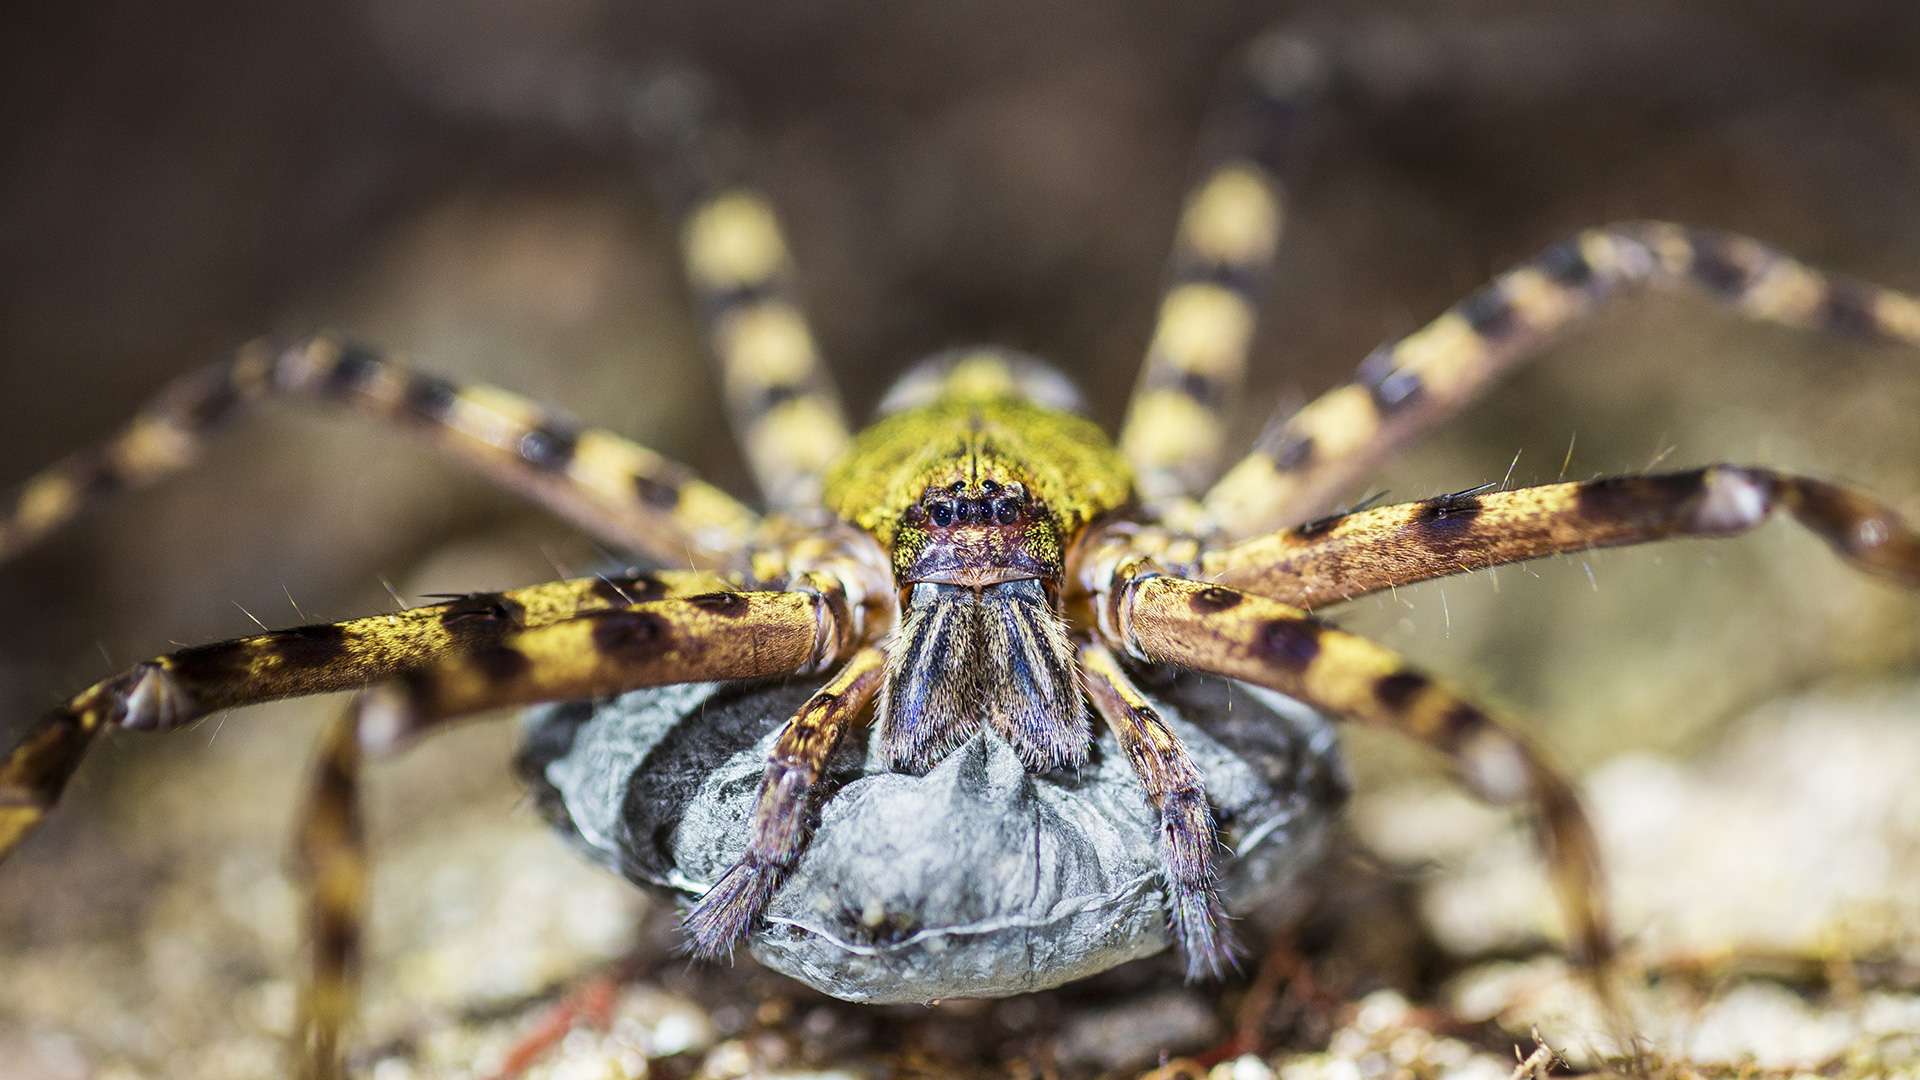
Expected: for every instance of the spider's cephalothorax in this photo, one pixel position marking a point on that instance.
(980, 558)
(977, 494)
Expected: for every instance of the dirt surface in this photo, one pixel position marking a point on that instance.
(176, 181)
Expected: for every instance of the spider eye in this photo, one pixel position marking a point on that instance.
(942, 513)
(1006, 511)
(916, 515)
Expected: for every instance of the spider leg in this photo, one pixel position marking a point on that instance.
(1223, 251)
(727, 914)
(169, 691)
(1351, 555)
(722, 635)
(1173, 786)
(1407, 386)
(732, 635)
(622, 492)
(780, 397)
(330, 862)
(1212, 628)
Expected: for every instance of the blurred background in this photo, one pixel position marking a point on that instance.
(177, 179)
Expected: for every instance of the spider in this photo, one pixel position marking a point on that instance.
(980, 558)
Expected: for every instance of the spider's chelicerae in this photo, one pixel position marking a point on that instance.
(980, 557)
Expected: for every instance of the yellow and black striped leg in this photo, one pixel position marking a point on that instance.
(713, 636)
(1408, 386)
(727, 914)
(726, 635)
(1216, 277)
(1187, 837)
(1224, 631)
(623, 493)
(1351, 555)
(785, 410)
(167, 691)
(331, 864)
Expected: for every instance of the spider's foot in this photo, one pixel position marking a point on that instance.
(1199, 924)
(723, 919)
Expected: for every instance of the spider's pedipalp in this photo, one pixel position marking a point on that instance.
(182, 686)
(1229, 230)
(621, 492)
(1405, 387)
(1174, 790)
(1355, 554)
(726, 915)
(1212, 628)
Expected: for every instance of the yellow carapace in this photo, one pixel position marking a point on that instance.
(980, 559)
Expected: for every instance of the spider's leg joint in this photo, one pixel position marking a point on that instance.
(1117, 613)
(1732, 500)
(834, 620)
(1497, 767)
(153, 699)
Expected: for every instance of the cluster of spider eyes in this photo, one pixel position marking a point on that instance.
(997, 504)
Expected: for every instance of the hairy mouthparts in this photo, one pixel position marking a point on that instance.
(998, 655)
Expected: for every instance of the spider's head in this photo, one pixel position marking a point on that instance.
(980, 641)
(977, 534)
